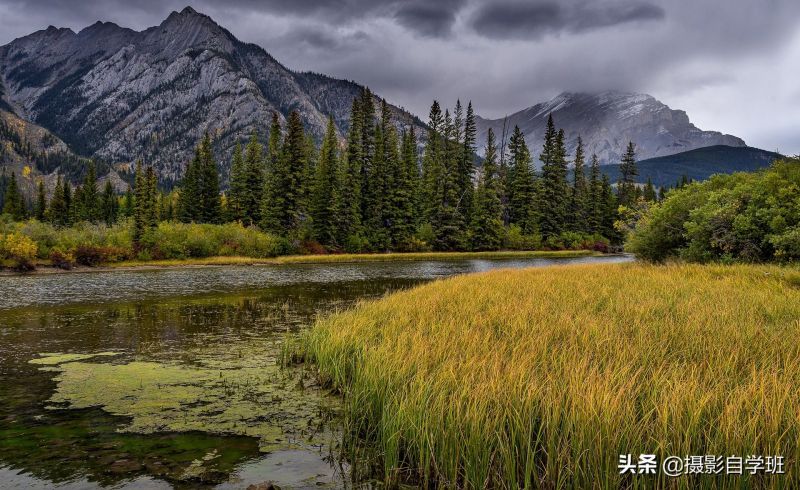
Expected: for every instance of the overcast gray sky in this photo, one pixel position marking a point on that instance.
(733, 65)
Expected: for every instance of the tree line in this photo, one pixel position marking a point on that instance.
(377, 190)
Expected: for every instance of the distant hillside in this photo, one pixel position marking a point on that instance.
(698, 164)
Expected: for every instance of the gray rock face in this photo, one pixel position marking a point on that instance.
(120, 95)
(606, 122)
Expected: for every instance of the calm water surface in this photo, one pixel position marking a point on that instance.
(169, 379)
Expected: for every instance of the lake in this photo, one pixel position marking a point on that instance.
(170, 378)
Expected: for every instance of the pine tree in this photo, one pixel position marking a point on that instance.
(210, 205)
(324, 206)
(68, 202)
(377, 184)
(272, 203)
(467, 164)
(432, 165)
(140, 203)
(404, 191)
(109, 204)
(520, 185)
(151, 198)
(14, 204)
(368, 143)
(254, 170)
(580, 198)
(595, 214)
(58, 211)
(188, 198)
(295, 151)
(89, 202)
(487, 223)
(626, 188)
(126, 210)
(41, 201)
(649, 193)
(238, 187)
(349, 222)
(554, 196)
(448, 221)
(609, 211)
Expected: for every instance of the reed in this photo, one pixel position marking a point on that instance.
(541, 378)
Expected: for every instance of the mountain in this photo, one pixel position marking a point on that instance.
(117, 94)
(606, 122)
(698, 164)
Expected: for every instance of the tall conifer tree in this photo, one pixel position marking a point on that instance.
(487, 223)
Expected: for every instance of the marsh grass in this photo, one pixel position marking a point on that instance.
(543, 377)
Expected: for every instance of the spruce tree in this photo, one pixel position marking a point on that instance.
(432, 165)
(41, 201)
(57, 212)
(467, 163)
(610, 213)
(368, 127)
(210, 205)
(349, 222)
(140, 203)
(151, 198)
(296, 161)
(126, 210)
(580, 198)
(520, 185)
(595, 214)
(324, 206)
(238, 186)
(404, 191)
(626, 187)
(487, 224)
(448, 221)
(67, 202)
(649, 193)
(272, 204)
(377, 185)
(254, 170)
(554, 198)
(89, 201)
(109, 204)
(189, 194)
(14, 204)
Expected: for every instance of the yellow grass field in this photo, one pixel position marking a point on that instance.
(543, 377)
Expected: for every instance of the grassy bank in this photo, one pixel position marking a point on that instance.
(543, 377)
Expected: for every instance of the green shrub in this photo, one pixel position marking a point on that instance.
(746, 217)
(515, 239)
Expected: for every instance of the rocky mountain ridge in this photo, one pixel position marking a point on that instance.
(117, 94)
(606, 121)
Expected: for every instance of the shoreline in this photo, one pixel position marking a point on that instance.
(222, 261)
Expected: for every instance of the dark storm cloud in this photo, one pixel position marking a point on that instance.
(433, 19)
(731, 64)
(530, 20)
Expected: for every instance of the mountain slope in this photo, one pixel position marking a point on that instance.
(32, 152)
(606, 122)
(118, 94)
(698, 164)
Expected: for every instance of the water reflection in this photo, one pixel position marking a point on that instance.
(104, 421)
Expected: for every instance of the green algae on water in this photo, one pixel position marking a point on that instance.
(244, 395)
(52, 358)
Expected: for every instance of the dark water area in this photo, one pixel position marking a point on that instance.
(170, 379)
